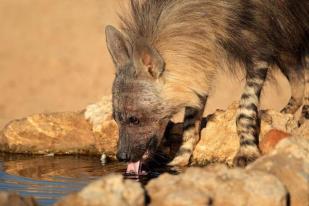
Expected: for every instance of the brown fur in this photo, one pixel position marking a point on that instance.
(169, 52)
(197, 38)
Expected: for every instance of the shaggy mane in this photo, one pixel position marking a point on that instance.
(196, 38)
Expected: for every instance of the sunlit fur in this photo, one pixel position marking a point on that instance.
(194, 39)
(197, 38)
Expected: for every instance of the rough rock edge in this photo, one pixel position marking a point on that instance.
(14, 199)
(98, 112)
(108, 190)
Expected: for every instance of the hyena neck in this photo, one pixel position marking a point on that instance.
(181, 94)
(189, 50)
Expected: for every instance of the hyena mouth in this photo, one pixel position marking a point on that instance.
(135, 168)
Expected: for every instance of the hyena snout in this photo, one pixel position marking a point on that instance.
(122, 156)
(136, 148)
(130, 153)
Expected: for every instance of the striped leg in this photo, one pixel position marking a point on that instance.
(297, 82)
(247, 121)
(191, 135)
(305, 109)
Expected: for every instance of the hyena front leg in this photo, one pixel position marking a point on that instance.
(191, 134)
(247, 121)
(305, 109)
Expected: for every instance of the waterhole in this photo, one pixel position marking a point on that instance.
(48, 178)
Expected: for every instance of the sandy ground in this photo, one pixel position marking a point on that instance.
(53, 58)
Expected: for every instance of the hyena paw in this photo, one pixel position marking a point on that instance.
(245, 157)
(181, 160)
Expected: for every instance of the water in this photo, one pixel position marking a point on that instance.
(50, 178)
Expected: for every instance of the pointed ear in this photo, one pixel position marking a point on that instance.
(119, 48)
(150, 59)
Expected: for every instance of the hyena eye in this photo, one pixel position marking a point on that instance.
(133, 120)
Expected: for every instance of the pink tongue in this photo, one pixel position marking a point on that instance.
(134, 167)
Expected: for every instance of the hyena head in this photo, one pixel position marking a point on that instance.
(137, 107)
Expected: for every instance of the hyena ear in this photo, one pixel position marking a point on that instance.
(150, 59)
(119, 48)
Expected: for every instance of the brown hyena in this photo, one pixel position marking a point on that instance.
(169, 52)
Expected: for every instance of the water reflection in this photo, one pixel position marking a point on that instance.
(49, 178)
(47, 168)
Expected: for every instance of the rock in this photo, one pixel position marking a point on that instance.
(109, 190)
(219, 140)
(217, 186)
(303, 130)
(289, 161)
(106, 139)
(13, 199)
(99, 112)
(271, 139)
(275, 120)
(94, 131)
(59, 133)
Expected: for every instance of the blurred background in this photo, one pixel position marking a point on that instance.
(53, 58)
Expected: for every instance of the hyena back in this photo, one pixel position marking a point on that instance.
(169, 52)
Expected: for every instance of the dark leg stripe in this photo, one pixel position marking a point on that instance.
(248, 130)
(244, 138)
(305, 111)
(247, 117)
(190, 113)
(250, 127)
(247, 120)
(247, 142)
(249, 107)
(261, 73)
(246, 125)
(190, 117)
(245, 96)
(256, 86)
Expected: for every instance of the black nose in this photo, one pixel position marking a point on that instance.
(122, 156)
